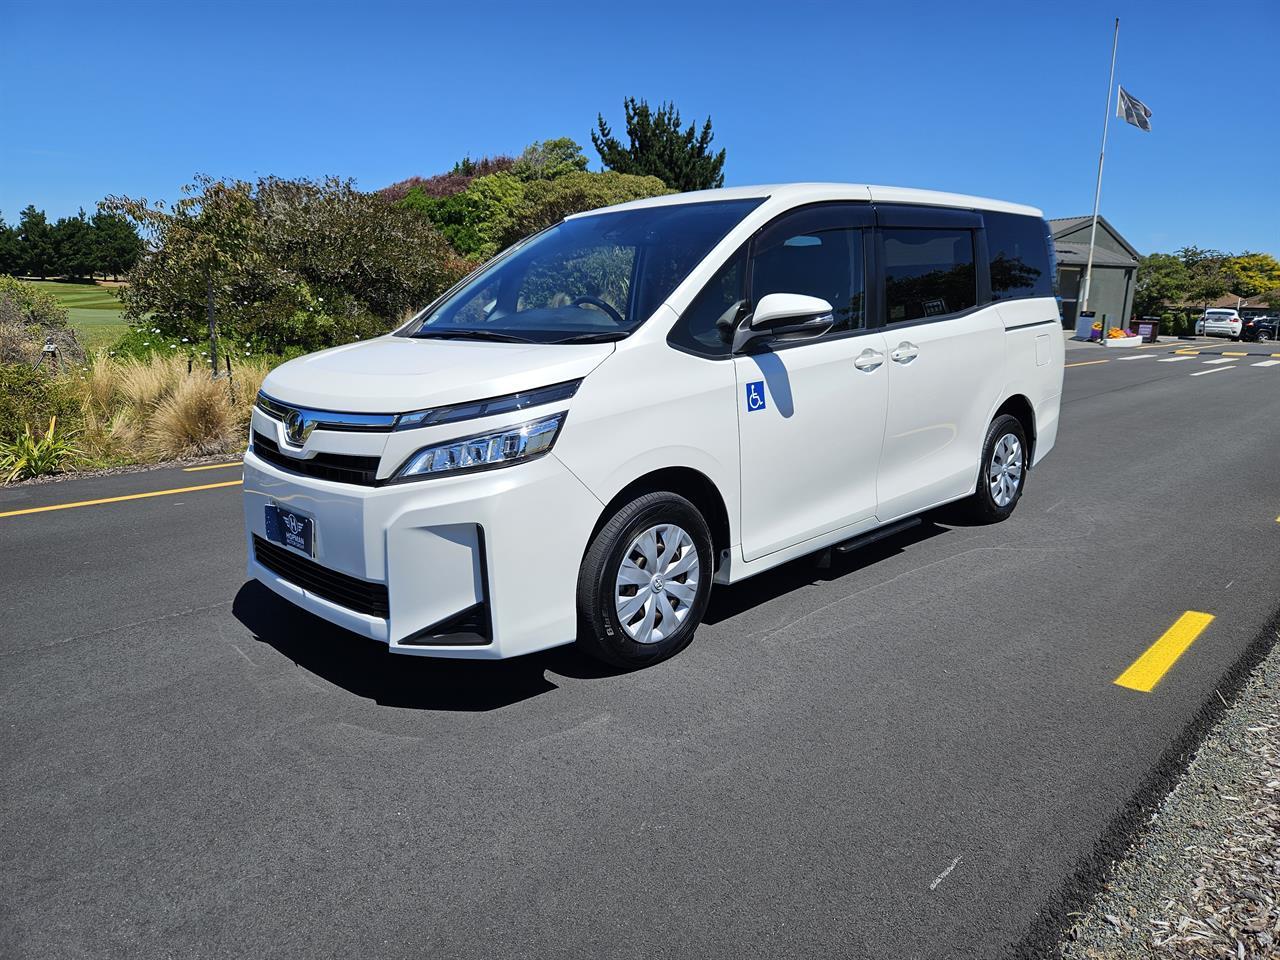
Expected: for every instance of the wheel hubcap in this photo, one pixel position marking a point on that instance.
(1005, 471)
(657, 583)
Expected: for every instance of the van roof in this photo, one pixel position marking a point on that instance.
(797, 193)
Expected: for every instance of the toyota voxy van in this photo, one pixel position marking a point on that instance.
(583, 436)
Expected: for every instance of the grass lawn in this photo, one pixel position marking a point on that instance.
(93, 310)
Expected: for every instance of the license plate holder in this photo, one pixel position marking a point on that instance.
(292, 529)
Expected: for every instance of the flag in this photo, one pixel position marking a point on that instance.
(1133, 110)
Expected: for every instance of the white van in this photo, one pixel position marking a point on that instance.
(1218, 322)
(582, 436)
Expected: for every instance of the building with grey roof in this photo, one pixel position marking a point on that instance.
(1115, 269)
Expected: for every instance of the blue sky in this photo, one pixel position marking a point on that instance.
(997, 99)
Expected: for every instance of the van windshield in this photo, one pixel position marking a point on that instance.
(588, 278)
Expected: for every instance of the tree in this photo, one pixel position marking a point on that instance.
(36, 237)
(1163, 279)
(10, 249)
(658, 147)
(548, 159)
(116, 244)
(1254, 273)
(1207, 272)
(73, 243)
(283, 263)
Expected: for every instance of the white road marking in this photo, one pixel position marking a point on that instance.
(1140, 356)
(1222, 360)
(1265, 363)
(1214, 370)
(1172, 359)
(944, 874)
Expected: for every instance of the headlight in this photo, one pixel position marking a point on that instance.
(524, 441)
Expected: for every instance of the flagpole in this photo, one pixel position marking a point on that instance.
(1097, 191)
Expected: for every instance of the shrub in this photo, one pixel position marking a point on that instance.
(31, 456)
(447, 184)
(29, 396)
(550, 201)
(476, 220)
(30, 318)
(290, 263)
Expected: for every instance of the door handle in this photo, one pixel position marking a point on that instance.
(904, 353)
(868, 360)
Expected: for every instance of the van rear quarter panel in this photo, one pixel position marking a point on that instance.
(1034, 358)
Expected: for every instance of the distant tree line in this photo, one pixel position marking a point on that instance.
(106, 243)
(1195, 276)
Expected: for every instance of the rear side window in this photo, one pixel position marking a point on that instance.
(1019, 254)
(928, 273)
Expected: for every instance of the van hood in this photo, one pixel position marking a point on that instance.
(398, 374)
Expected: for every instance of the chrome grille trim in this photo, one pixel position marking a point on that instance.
(328, 419)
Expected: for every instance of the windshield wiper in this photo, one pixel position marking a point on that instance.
(471, 335)
(595, 337)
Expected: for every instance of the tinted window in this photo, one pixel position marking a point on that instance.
(707, 325)
(928, 273)
(824, 263)
(1019, 251)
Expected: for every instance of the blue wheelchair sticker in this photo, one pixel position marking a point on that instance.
(755, 396)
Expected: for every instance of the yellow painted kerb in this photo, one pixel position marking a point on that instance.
(1145, 672)
(130, 496)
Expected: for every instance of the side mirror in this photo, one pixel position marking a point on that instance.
(785, 315)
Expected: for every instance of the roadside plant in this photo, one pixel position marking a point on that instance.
(29, 456)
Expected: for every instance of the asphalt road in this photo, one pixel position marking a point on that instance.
(907, 755)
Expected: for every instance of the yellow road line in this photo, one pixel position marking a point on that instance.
(1145, 672)
(129, 496)
(1085, 363)
(213, 466)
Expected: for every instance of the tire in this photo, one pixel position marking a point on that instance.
(992, 506)
(614, 625)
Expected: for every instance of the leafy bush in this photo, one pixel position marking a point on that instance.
(447, 184)
(30, 318)
(292, 264)
(548, 159)
(549, 201)
(31, 456)
(29, 396)
(476, 220)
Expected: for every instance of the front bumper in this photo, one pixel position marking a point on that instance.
(501, 545)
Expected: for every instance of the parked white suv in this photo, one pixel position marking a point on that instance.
(582, 436)
(1221, 323)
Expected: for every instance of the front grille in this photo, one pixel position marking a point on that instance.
(362, 596)
(340, 467)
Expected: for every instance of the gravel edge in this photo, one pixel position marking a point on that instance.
(1061, 912)
(1204, 879)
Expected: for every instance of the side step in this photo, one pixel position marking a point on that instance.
(880, 533)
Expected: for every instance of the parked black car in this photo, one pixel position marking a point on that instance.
(1260, 329)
